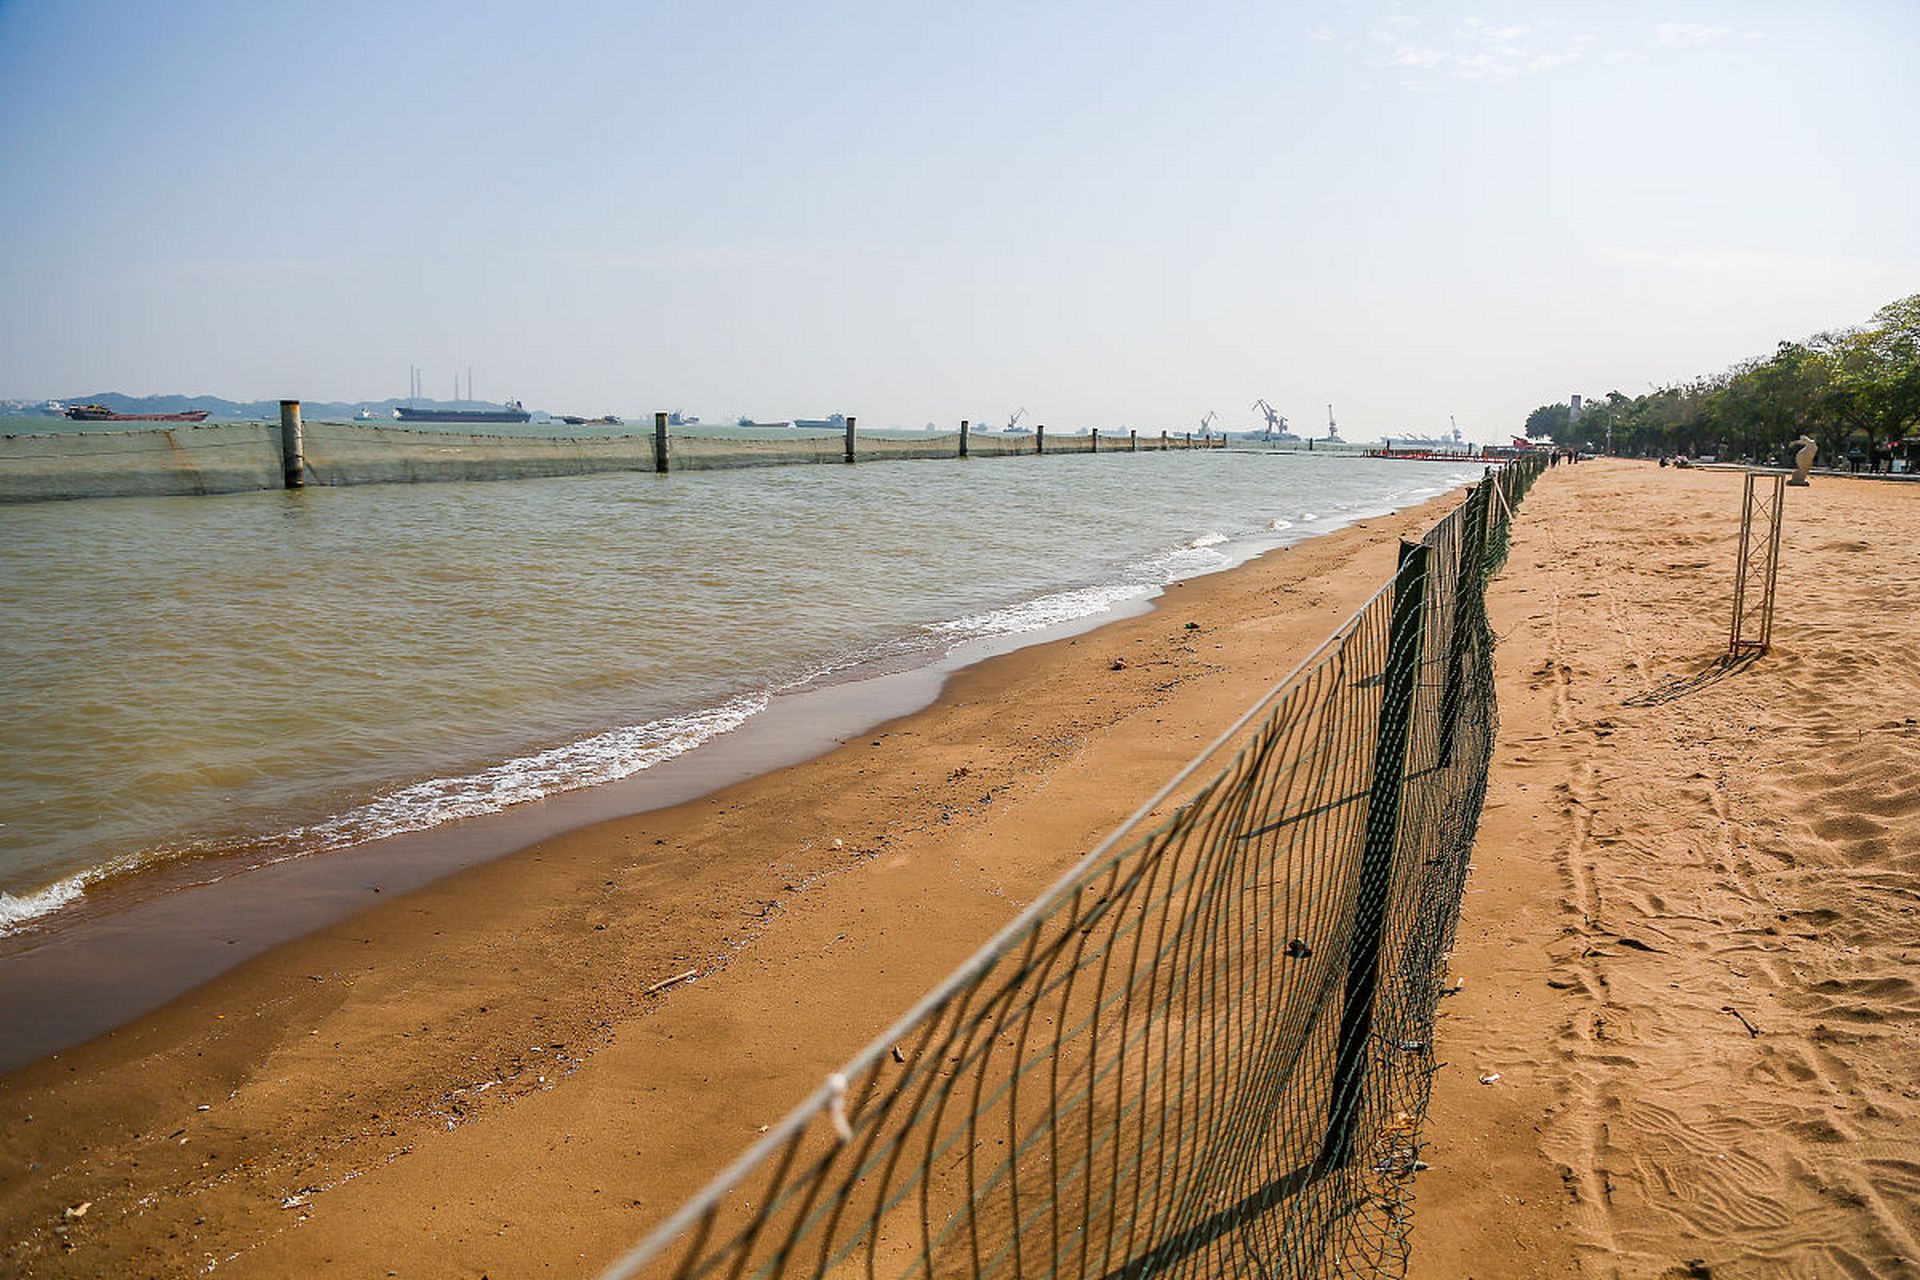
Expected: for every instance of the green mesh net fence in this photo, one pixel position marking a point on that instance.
(1207, 1049)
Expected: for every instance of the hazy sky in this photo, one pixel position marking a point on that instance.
(1109, 213)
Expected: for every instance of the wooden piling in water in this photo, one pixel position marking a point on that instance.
(964, 426)
(1133, 442)
(293, 445)
(1164, 444)
(1040, 438)
(1096, 440)
(850, 421)
(660, 443)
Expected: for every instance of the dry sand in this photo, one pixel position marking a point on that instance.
(473, 1078)
(1691, 942)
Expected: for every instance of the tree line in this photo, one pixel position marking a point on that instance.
(1855, 391)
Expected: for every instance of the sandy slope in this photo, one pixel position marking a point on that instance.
(1692, 940)
(473, 1079)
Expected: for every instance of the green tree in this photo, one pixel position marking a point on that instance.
(1837, 386)
(1550, 421)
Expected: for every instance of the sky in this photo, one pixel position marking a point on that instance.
(1107, 214)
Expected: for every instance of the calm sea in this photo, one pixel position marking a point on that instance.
(288, 673)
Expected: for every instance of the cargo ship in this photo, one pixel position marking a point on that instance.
(512, 413)
(100, 413)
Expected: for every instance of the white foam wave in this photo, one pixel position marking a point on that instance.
(1203, 540)
(1046, 611)
(604, 757)
(17, 909)
(1276, 524)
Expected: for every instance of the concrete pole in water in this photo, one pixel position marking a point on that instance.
(293, 445)
(963, 437)
(660, 443)
(1040, 438)
(849, 437)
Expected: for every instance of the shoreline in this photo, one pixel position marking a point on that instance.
(139, 939)
(498, 1033)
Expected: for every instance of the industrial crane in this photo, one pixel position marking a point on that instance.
(1206, 424)
(1333, 431)
(1018, 414)
(1276, 422)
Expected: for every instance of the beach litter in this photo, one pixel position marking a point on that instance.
(1492, 1077)
(675, 980)
(837, 1106)
(73, 1211)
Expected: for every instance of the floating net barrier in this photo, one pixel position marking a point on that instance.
(234, 457)
(224, 457)
(1206, 1050)
(344, 453)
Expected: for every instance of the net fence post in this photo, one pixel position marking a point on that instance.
(850, 421)
(660, 443)
(1399, 684)
(293, 445)
(1469, 590)
(964, 428)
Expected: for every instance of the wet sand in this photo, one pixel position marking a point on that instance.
(1691, 942)
(480, 1076)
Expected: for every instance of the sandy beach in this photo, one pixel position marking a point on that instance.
(1688, 946)
(1691, 943)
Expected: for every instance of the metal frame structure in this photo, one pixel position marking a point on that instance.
(1758, 568)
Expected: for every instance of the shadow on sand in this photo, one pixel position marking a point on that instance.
(1678, 687)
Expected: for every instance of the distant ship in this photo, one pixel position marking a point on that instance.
(575, 420)
(512, 413)
(837, 421)
(749, 422)
(100, 413)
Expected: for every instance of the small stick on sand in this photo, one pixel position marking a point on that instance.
(664, 983)
(1751, 1029)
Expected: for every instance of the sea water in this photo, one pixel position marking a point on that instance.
(281, 674)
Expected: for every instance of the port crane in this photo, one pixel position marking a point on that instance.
(1276, 422)
(1014, 421)
(1206, 424)
(1333, 430)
